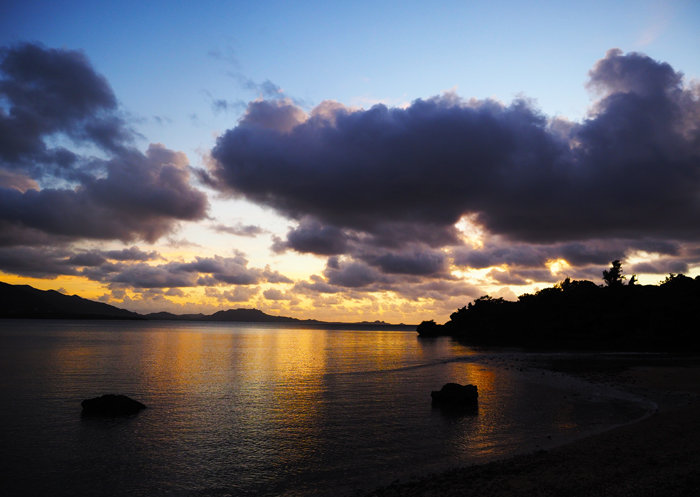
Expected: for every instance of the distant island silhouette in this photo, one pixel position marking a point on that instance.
(578, 314)
(27, 302)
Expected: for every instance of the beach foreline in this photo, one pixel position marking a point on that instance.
(656, 454)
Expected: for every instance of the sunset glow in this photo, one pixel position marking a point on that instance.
(269, 161)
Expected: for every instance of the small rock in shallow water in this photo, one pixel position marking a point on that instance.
(456, 395)
(111, 405)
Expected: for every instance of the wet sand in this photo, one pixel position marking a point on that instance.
(657, 456)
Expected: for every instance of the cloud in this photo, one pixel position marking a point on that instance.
(628, 171)
(49, 262)
(506, 277)
(313, 237)
(240, 294)
(89, 259)
(351, 274)
(661, 266)
(274, 276)
(18, 181)
(202, 271)
(439, 290)
(633, 74)
(499, 252)
(237, 294)
(272, 115)
(44, 262)
(239, 229)
(275, 294)
(316, 285)
(144, 276)
(266, 89)
(228, 270)
(140, 197)
(416, 262)
(67, 165)
(50, 91)
(219, 105)
(131, 254)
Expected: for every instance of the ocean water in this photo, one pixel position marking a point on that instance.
(257, 410)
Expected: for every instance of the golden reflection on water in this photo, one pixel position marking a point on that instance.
(485, 425)
(74, 359)
(299, 360)
(176, 356)
(276, 386)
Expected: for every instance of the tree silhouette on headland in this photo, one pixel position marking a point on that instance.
(613, 276)
(579, 314)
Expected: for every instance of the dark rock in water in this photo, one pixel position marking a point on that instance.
(456, 395)
(111, 405)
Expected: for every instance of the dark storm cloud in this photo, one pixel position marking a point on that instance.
(141, 196)
(397, 234)
(89, 259)
(98, 257)
(629, 171)
(313, 237)
(494, 255)
(45, 262)
(416, 262)
(662, 266)
(351, 274)
(49, 262)
(398, 272)
(54, 96)
(576, 253)
(634, 73)
(12, 234)
(50, 91)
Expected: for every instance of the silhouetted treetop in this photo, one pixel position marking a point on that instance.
(580, 314)
(613, 276)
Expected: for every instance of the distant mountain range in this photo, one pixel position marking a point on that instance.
(24, 301)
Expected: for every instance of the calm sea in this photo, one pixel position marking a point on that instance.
(244, 409)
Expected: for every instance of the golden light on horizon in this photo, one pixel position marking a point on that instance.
(66, 284)
(470, 231)
(641, 256)
(556, 266)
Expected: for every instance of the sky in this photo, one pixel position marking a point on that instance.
(345, 161)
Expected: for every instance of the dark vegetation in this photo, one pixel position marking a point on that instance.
(579, 314)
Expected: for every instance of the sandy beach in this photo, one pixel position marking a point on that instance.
(657, 456)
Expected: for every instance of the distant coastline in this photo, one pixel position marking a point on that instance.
(27, 302)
